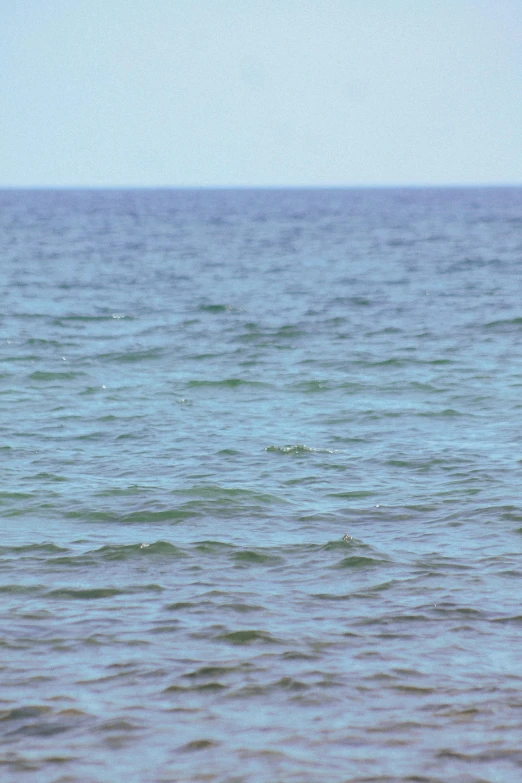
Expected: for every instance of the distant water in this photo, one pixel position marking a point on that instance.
(202, 392)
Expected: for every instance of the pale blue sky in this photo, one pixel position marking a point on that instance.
(260, 92)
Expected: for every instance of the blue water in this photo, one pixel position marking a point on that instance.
(202, 394)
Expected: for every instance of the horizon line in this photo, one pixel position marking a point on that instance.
(373, 186)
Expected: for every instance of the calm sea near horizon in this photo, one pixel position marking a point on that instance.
(261, 505)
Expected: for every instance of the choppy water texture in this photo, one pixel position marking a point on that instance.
(202, 392)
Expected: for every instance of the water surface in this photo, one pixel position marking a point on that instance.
(202, 393)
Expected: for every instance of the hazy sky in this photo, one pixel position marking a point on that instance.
(260, 92)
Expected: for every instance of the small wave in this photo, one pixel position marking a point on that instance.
(215, 491)
(91, 318)
(413, 690)
(131, 551)
(40, 375)
(333, 596)
(513, 619)
(118, 724)
(40, 341)
(18, 589)
(354, 494)
(298, 448)
(207, 686)
(446, 412)
(213, 671)
(47, 548)
(169, 515)
(251, 557)
(228, 383)
(130, 357)
(359, 561)
(290, 684)
(201, 357)
(92, 389)
(97, 593)
(15, 496)
(86, 594)
(248, 636)
(49, 477)
(21, 713)
(505, 323)
(312, 387)
(212, 547)
(131, 490)
(216, 309)
(24, 358)
(342, 544)
(288, 330)
(242, 608)
(40, 721)
(199, 744)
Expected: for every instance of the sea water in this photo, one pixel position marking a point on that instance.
(261, 509)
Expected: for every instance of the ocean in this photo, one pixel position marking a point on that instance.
(261, 510)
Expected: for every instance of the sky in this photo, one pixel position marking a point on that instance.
(190, 93)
